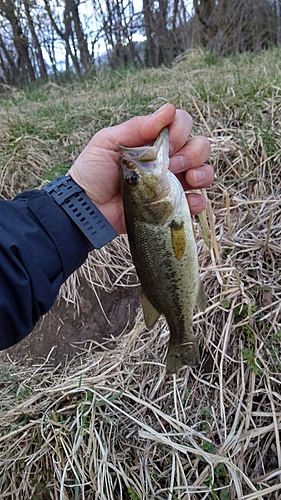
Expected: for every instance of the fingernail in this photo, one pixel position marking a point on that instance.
(160, 109)
(199, 175)
(193, 200)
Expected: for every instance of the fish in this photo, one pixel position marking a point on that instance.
(163, 246)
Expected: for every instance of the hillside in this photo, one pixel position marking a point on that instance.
(108, 424)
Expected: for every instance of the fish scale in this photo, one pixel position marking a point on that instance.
(163, 247)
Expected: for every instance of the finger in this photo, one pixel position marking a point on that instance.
(137, 131)
(179, 130)
(195, 152)
(196, 202)
(197, 178)
(201, 177)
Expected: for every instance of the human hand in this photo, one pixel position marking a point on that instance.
(96, 170)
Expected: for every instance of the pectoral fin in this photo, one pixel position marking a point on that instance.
(151, 315)
(201, 297)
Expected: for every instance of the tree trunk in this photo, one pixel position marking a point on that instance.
(278, 21)
(10, 70)
(82, 42)
(8, 9)
(63, 35)
(39, 55)
(164, 39)
(152, 54)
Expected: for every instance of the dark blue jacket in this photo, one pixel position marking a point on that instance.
(40, 246)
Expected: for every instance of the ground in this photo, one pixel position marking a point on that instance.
(64, 332)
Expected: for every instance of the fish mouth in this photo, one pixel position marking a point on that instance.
(141, 154)
(148, 158)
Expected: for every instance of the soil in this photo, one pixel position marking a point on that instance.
(63, 333)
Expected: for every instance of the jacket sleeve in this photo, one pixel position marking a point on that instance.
(40, 246)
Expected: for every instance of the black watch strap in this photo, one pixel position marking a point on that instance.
(74, 201)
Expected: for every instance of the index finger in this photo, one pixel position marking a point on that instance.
(137, 131)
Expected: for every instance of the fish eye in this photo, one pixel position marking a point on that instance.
(132, 178)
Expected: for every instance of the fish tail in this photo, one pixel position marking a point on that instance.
(181, 355)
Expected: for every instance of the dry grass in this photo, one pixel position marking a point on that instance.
(111, 425)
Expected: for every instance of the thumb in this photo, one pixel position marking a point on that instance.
(137, 131)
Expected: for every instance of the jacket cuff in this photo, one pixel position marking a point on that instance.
(71, 244)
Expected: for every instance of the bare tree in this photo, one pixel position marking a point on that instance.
(32, 34)
(64, 33)
(71, 8)
(36, 43)
(7, 64)
(166, 24)
(149, 24)
(165, 42)
(117, 20)
(226, 26)
(12, 13)
(277, 12)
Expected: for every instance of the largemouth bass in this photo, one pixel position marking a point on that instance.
(162, 245)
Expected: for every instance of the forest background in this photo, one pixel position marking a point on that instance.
(40, 39)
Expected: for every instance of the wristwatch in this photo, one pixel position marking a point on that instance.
(74, 201)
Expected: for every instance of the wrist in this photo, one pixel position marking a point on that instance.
(79, 207)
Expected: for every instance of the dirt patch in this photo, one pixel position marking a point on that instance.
(65, 332)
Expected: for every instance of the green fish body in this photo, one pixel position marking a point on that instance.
(162, 245)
